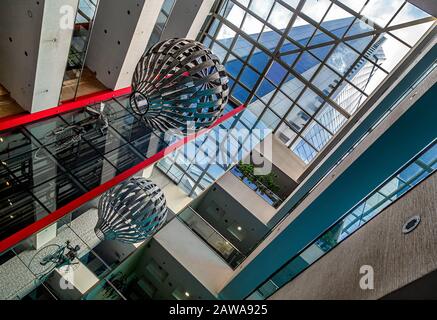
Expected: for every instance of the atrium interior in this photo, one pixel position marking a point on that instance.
(320, 161)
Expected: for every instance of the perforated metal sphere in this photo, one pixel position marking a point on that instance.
(179, 81)
(131, 212)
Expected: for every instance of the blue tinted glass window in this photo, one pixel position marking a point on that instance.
(270, 39)
(265, 88)
(276, 73)
(240, 93)
(233, 66)
(242, 48)
(249, 77)
(259, 60)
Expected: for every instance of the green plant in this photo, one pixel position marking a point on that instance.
(330, 238)
(263, 182)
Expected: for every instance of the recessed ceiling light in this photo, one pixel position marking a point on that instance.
(239, 228)
(187, 294)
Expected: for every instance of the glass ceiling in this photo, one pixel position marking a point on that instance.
(304, 67)
(199, 163)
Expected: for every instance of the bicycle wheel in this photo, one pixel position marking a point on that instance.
(44, 260)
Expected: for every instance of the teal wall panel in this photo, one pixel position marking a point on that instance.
(416, 129)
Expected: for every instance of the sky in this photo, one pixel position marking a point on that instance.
(378, 11)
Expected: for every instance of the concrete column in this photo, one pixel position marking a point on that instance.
(35, 40)
(120, 34)
(194, 255)
(20, 29)
(186, 18)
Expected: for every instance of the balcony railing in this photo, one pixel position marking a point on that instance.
(263, 191)
(212, 237)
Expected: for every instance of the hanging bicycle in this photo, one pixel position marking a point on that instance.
(67, 136)
(52, 257)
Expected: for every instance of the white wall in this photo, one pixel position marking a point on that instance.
(34, 51)
(187, 18)
(119, 37)
(195, 255)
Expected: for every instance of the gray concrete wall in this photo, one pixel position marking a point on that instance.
(247, 198)
(283, 158)
(194, 255)
(187, 18)
(34, 50)
(119, 37)
(397, 259)
(176, 276)
(220, 208)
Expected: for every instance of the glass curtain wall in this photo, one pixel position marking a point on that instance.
(302, 67)
(201, 162)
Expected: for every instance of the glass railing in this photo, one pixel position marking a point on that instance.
(212, 237)
(105, 290)
(394, 188)
(263, 191)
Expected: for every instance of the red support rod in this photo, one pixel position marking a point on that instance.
(58, 214)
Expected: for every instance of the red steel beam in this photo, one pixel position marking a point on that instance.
(39, 225)
(21, 119)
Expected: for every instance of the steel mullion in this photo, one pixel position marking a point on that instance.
(264, 72)
(275, 58)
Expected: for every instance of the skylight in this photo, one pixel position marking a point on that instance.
(305, 67)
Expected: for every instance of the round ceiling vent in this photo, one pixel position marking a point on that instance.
(411, 224)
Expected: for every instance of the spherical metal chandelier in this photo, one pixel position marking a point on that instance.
(179, 84)
(131, 212)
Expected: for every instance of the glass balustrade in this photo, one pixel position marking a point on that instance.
(211, 236)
